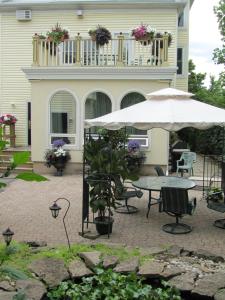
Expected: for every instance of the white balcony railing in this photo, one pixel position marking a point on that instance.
(85, 52)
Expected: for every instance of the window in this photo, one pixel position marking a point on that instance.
(97, 105)
(180, 61)
(62, 117)
(181, 19)
(137, 134)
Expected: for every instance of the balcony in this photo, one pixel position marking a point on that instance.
(83, 52)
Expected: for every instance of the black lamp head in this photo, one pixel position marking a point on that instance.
(8, 234)
(55, 210)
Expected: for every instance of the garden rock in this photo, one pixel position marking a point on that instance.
(7, 295)
(36, 244)
(78, 269)
(32, 288)
(128, 266)
(174, 250)
(184, 282)
(220, 295)
(110, 261)
(171, 271)
(151, 251)
(51, 270)
(152, 269)
(209, 285)
(208, 255)
(6, 286)
(92, 259)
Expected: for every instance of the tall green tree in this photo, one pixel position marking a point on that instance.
(219, 54)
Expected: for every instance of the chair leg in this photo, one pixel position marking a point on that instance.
(177, 228)
(126, 208)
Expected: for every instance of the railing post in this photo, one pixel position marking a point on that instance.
(165, 50)
(78, 50)
(36, 42)
(120, 50)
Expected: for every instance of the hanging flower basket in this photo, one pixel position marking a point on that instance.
(8, 119)
(100, 35)
(143, 33)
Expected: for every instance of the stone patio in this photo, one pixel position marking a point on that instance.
(25, 209)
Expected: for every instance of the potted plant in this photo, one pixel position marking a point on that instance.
(144, 34)
(8, 119)
(135, 157)
(57, 157)
(54, 37)
(101, 35)
(215, 195)
(105, 157)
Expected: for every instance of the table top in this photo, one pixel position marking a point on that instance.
(155, 183)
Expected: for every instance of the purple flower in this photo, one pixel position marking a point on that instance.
(133, 145)
(58, 143)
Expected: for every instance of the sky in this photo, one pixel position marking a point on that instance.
(204, 37)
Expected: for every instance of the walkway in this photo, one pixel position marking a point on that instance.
(24, 207)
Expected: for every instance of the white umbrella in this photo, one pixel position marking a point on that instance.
(168, 108)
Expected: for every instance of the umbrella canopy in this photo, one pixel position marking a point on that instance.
(168, 108)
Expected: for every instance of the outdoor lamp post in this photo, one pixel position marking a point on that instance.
(8, 234)
(55, 212)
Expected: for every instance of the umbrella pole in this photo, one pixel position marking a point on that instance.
(168, 153)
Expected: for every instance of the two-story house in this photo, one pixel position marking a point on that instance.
(54, 86)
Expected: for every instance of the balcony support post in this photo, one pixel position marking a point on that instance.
(78, 50)
(36, 42)
(120, 50)
(165, 50)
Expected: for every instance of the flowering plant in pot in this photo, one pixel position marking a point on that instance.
(57, 157)
(101, 35)
(135, 157)
(8, 119)
(143, 33)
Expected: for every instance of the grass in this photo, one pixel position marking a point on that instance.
(18, 256)
(31, 177)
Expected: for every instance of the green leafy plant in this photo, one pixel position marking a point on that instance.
(109, 285)
(106, 157)
(31, 177)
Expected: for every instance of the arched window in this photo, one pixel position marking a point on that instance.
(97, 105)
(128, 100)
(63, 117)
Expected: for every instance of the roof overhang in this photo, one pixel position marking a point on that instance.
(9, 5)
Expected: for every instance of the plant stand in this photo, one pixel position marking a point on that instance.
(60, 166)
(9, 133)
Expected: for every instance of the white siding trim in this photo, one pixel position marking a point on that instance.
(100, 73)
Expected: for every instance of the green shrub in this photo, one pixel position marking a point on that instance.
(109, 285)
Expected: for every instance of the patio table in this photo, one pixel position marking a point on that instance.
(155, 183)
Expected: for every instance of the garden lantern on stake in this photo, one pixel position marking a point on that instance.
(8, 234)
(55, 212)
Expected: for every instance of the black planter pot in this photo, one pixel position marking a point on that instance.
(59, 164)
(104, 225)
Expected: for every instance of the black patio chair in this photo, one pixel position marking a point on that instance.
(124, 193)
(159, 171)
(175, 202)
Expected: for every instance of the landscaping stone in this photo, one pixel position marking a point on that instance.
(208, 255)
(174, 250)
(7, 295)
(36, 244)
(51, 270)
(92, 259)
(220, 295)
(130, 265)
(78, 269)
(171, 271)
(209, 285)
(32, 288)
(110, 261)
(184, 282)
(152, 251)
(6, 286)
(152, 269)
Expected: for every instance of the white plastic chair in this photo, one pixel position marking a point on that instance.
(186, 163)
